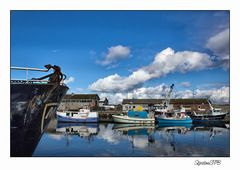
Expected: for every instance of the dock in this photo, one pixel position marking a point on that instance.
(106, 116)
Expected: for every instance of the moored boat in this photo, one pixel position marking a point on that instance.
(174, 118)
(33, 103)
(138, 117)
(83, 115)
(127, 119)
(215, 114)
(167, 115)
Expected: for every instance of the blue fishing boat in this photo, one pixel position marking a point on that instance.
(166, 115)
(174, 118)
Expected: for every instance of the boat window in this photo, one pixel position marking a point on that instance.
(67, 129)
(67, 114)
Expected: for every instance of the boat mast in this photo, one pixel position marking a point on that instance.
(168, 95)
(210, 105)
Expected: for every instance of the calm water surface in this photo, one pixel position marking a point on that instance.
(108, 139)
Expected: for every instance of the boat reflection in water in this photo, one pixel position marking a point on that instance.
(169, 131)
(135, 140)
(178, 128)
(213, 131)
(82, 130)
(139, 135)
(194, 140)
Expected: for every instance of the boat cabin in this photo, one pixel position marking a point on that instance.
(139, 114)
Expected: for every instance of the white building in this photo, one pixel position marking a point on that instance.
(79, 101)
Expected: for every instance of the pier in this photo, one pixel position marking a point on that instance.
(106, 116)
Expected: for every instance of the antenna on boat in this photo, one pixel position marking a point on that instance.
(168, 95)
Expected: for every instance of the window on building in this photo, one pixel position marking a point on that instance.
(187, 107)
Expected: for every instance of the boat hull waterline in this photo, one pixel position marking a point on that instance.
(174, 121)
(77, 120)
(83, 116)
(127, 119)
(208, 118)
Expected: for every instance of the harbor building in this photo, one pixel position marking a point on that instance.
(189, 105)
(104, 105)
(103, 102)
(79, 101)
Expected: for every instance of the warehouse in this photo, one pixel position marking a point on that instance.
(79, 101)
(149, 104)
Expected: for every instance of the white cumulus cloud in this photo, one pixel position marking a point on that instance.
(114, 54)
(220, 95)
(165, 62)
(219, 44)
(69, 80)
(216, 95)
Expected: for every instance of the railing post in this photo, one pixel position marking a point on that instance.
(27, 75)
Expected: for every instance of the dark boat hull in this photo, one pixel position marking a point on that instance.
(208, 118)
(32, 106)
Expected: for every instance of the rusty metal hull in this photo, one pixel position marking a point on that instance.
(32, 106)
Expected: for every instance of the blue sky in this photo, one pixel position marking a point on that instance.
(93, 45)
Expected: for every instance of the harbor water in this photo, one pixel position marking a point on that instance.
(128, 140)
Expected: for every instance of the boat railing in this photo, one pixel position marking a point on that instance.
(33, 80)
(29, 81)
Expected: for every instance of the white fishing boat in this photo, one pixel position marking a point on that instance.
(83, 115)
(127, 119)
(139, 117)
